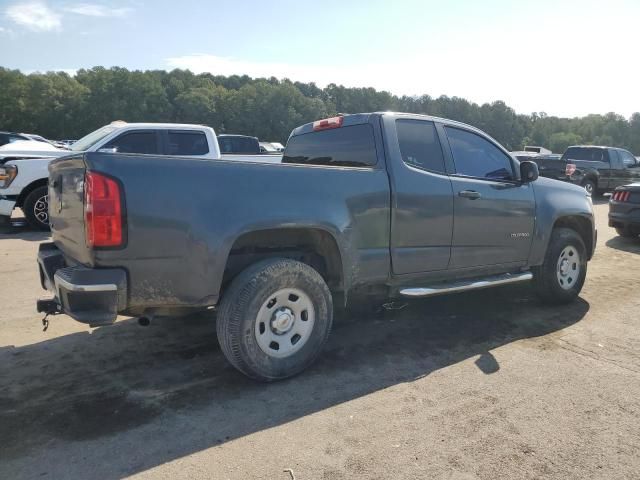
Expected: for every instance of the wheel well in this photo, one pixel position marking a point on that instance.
(317, 248)
(30, 188)
(582, 226)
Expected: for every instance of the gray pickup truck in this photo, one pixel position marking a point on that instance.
(384, 204)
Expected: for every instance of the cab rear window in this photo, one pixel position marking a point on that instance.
(352, 146)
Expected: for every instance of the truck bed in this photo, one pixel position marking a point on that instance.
(182, 219)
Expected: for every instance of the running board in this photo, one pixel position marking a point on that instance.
(471, 284)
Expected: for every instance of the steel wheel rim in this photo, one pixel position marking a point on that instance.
(284, 322)
(589, 188)
(568, 267)
(41, 209)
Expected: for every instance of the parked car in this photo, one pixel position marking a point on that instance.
(278, 146)
(266, 147)
(26, 170)
(522, 155)
(538, 150)
(10, 137)
(624, 210)
(40, 138)
(402, 205)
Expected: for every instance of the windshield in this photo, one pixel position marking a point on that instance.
(88, 141)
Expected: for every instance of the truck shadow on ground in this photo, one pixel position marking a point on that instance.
(123, 399)
(18, 228)
(631, 245)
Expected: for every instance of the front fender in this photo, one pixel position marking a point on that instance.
(556, 200)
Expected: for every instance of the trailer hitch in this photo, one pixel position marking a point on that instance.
(48, 306)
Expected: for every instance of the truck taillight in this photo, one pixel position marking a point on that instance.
(570, 169)
(327, 123)
(102, 211)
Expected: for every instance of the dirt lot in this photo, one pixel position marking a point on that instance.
(481, 385)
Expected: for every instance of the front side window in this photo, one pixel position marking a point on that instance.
(419, 145)
(627, 159)
(474, 156)
(352, 146)
(187, 143)
(135, 142)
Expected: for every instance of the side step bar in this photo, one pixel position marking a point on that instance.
(471, 284)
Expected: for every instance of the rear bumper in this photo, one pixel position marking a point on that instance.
(624, 215)
(89, 295)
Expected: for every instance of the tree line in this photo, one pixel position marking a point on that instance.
(59, 106)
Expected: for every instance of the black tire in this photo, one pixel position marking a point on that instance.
(33, 208)
(547, 284)
(237, 321)
(626, 232)
(590, 187)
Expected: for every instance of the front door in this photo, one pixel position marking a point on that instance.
(630, 171)
(493, 212)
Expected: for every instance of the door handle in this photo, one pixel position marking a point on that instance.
(470, 194)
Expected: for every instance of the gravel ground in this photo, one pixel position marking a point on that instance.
(481, 385)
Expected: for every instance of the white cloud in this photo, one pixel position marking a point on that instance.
(35, 16)
(556, 86)
(95, 10)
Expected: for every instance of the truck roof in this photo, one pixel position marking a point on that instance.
(120, 124)
(358, 118)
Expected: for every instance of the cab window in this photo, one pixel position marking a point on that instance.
(475, 156)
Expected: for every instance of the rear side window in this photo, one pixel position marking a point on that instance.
(136, 142)
(419, 145)
(585, 154)
(245, 145)
(475, 156)
(187, 143)
(352, 146)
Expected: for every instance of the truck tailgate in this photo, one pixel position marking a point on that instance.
(66, 207)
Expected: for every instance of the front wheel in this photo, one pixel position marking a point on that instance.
(590, 187)
(274, 319)
(561, 277)
(36, 208)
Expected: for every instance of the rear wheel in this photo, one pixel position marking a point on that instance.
(625, 232)
(36, 208)
(561, 277)
(274, 319)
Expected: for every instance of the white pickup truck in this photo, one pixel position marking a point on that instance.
(23, 175)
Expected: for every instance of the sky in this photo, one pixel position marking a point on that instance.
(562, 57)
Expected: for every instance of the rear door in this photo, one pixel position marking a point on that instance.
(493, 212)
(422, 202)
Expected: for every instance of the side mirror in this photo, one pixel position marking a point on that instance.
(108, 150)
(529, 171)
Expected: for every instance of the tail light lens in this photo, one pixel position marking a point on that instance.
(570, 169)
(102, 211)
(621, 196)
